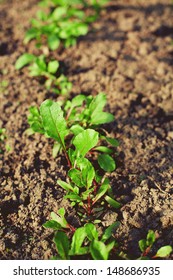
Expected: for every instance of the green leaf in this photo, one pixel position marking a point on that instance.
(150, 238)
(112, 141)
(61, 212)
(49, 29)
(64, 33)
(80, 29)
(65, 186)
(52, 224)
(58, 13)
(91, 231)
(142, 245)
(35, 70)
(78, 100)
(34, 111)
(98, 250)
(106, 162)
(70, 42)
(53, 42)
(73, 197)
(77, 241)
(102, 118)
(41, 63)
(38, 67)
(72, 155)
(60, 218)
(112, 202)
(53, 121)
(37, 126)
(56, 149)
(96, 110)
(85, 141)
(103, 149)
(87, 171)
(31, 34)
(76, 129)
(24, 60)
(164, 251)
(53, 66)
(110, 245)
(35, 120)
(76, 13)
(41, 15)
(97, 104)
(75, 175)
(62, 244)
(109, 231)
(86, 194)
(102, 190)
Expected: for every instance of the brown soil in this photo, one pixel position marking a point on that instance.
(129, 55)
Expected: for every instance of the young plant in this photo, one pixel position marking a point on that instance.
(39, 68)
(85, 187)
(145, 246)
(59, 222)
(63, 24)
(66, 21)
(50, 120)
(87, 112)
(86, 190)
(81, 241)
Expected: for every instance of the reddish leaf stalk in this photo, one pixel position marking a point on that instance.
(145, 253)
(67, 158)
(72, 229)
(89, 205)
(96, 186)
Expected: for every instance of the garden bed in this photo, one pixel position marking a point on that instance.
(128, 54)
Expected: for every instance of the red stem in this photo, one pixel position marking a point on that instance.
(145, 253)
(71, 228)
(96, 186)
(89, 205)
(68, 160)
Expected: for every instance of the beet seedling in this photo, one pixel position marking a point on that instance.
(39, 68)
(62, 24)
(66, 21)
(87, 191)
(145, 246)
(87, 111)
(59, 222)
(50, 120)
(81, 241)
(84, 187)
